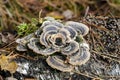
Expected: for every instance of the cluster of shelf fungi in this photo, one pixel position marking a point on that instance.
(63, 44)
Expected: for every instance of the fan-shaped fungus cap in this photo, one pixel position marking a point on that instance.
(44, 37)
(50, 27)
(72, 31)
(65, 33)
(72, 47)
(54, 36)
(36, 47)
(22, 42)
(25, 40)
(57, 63)
(79, 27)
(52, 22)
(81, 56)
(58, 39)
(21, 47)
(84, 45)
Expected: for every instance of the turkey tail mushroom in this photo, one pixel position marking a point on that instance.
(79, 27)
(81, 56)
(50, 27)
(22, 42)
(52, 22)
(57, 63)
(72, 31)
(72, 47)
(21, 47)
(56, 37)
(36, 47)
(43, 37)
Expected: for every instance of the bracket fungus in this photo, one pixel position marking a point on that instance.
(79, 27)
(57, 63)
(81, 56)
(61, 38)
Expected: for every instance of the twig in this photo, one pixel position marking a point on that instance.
(104, 56)
(83, 74)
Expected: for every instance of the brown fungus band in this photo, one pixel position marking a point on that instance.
(81, 56)
(23, 41)
(34, 45)
(72, 47)
(79, 27)
(57, 63)
(65, 39)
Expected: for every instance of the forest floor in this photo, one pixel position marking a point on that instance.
(101, 16)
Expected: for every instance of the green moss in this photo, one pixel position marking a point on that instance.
(116, 1)
(79, 39)
(25, 29)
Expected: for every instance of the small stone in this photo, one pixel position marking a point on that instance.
(68, 14)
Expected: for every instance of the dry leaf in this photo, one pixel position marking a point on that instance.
(7, 37)
(6, 64)
(56, 15)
